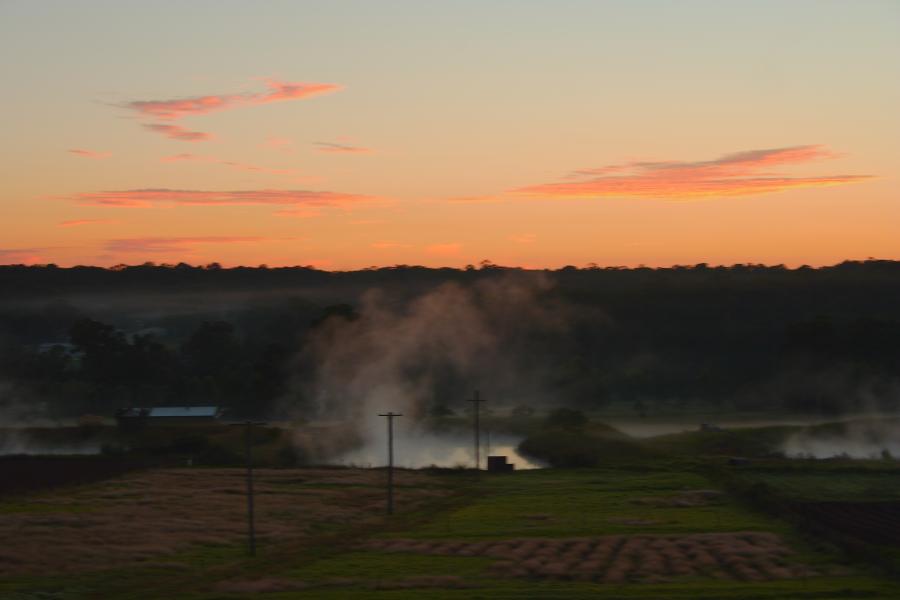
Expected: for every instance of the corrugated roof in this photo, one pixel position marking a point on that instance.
(184, 411)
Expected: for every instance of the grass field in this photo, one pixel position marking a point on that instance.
(648, 532)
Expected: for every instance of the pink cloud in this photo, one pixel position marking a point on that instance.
(334, 148)
(162, 196)
(89, 153)
(174, 244)
(21, 256)
(278, 91)
(79, 222)
(738, 174)
(450, 249)
(177, 132)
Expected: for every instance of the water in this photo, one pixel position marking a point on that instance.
(441, 450)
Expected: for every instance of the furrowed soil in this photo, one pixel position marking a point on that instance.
(650, 531)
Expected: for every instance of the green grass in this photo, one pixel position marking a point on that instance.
(542, 503)
(830, 484)
(559, 503)
(820, 589)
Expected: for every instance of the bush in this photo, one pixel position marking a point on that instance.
(566, 418)
(220, 456)
(560, 448)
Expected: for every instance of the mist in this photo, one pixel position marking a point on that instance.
(869, 438)
(431, 351)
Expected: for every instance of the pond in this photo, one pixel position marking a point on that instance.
(421, 449)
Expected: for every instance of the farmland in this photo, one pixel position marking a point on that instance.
(654, 530)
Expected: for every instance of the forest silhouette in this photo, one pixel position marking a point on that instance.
(89, 340)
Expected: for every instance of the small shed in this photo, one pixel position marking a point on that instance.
(498, 464)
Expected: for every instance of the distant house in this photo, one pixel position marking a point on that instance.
(168, 415)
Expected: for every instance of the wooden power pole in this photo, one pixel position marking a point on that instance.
(390, 469)
(477, 400)
(248, 445)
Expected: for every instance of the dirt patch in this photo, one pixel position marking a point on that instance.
(148, 517)
(873, 522)
(746, 556)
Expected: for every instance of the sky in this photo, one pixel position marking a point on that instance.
(348, 134)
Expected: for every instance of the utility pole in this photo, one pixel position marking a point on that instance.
(248, 444)
(390, 469)
(477, 400)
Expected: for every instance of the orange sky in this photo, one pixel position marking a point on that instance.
(539, 134)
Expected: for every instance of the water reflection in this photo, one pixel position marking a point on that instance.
(429, 449)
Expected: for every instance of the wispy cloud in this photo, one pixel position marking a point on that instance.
(335, 148)
(80, 222)
(21, 256)
(448, 249)
(89, 153)
(739, 174)
(173, 244)
(144, 198)
(278, 91)
(176, 132)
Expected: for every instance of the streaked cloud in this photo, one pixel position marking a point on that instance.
(145, 198)
(89, 153)
(448, 249)
(739, 174)
(80, 222)
(21, 256)
(173, 244)
(335, 148)
(176, 132)
(278, 91)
